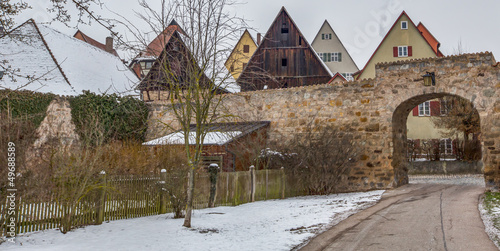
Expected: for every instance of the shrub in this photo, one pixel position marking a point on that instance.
(320, 159)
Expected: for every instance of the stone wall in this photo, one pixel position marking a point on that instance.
(445, 167)
(375, 111)
(57, 124)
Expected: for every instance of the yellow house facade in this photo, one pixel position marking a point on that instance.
(405, 41)
(402, 42)
(240, 55)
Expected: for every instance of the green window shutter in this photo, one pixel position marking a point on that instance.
(329, 57)
(340, 57)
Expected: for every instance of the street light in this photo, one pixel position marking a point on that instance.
(429, 79)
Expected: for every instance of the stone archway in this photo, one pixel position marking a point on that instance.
(399, 133)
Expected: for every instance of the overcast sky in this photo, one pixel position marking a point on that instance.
(359, 24)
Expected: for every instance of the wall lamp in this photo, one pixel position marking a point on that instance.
(429, 79)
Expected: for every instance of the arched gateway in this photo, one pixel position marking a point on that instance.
(375, 110)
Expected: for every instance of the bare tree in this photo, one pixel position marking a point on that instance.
(190, 70)
(460, 117)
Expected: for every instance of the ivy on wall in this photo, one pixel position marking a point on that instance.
(104, 118)
(25, 105)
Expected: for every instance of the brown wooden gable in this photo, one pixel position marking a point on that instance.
(283, 59)
(175, 66)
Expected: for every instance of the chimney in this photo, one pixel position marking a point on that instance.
(109, 44)
(258, 39)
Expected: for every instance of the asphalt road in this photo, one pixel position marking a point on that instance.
(413, 217)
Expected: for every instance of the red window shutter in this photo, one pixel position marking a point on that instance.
(435, 109)
(410, 51)
(395, 51)
(454, 146)
(415, 111)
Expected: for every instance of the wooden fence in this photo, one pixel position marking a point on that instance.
(123, 197)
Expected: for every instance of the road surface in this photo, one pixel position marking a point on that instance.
(413, 217)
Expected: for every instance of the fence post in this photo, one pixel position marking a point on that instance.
(163, 191)
(101, 199)
(213, 170)
(283, 181)
(252, 183)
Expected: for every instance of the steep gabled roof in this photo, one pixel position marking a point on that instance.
(269, 42)
(93, 41)
(156, 46)
(46, 60)
(337, 75)
(358, 74)
(239, 41)
(431, 40)
(154, 76)
(326, 23)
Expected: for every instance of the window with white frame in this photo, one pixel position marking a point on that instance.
(424, 109)
(404, 25)
(335, 56)
(348, 76)
(330, 56)
(402, 51)
(444, 106)
(446, 147)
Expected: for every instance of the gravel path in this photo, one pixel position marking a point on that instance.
(452, 179)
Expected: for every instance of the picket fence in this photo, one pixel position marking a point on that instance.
(124, 197)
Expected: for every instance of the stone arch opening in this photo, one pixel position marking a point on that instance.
(400, 162)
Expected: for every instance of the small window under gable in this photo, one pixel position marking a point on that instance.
(284, 29)
(404, 25)
(284, 62)
(246, 48)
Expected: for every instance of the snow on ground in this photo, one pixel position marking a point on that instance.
(489, 218)
(262, 225)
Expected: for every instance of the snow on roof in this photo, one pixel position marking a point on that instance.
(60, 64)
(211, 138)
(218, 133)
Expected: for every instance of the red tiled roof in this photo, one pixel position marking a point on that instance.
(82, 36)
(431, 40)
(156, 46)
(337, 75)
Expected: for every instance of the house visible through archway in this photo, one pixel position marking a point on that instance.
(443, 137)
(436, 133)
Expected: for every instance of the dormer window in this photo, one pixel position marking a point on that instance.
(404, 25)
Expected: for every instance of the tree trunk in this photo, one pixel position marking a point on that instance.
(190, 193)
